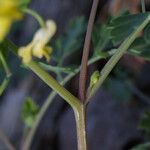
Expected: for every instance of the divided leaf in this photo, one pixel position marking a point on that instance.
(71, 40)
(100, 38)
(29, 112)
(121, 27)
(145, 123)
(140, 48)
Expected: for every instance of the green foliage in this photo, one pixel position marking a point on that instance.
(145, 123)
(145, 146)
(24, 3)
(71, 40)
(147, 34)
(100, 38)
(122, 26)
(140, 48)
(29, 112)
(94, 78)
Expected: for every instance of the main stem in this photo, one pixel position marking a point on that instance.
(80, 116)
(86, 51)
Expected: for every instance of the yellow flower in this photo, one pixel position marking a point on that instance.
(38, 47)
(9, 12)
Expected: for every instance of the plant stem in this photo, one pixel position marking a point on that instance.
(5, 65)
(47, 103)
(56, 69)
(143, 6)
(4, 85)
(6, 141)
(51, 82)
(80, 116)
(86, 51)
(116, 57)
(35, 15)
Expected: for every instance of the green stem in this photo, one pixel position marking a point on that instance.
(51, 82)
(116, 57)
(5, 65)
(4, 85)
(47, 103)
(143, 6)
(9, 44)
(80, 117)
(35, 15)
(55, 69)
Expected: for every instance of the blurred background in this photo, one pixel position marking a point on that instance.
(115, 113)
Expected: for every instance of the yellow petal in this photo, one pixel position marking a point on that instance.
(5, 24)
(25, 53)
(38, 52)
(47, 52)
(43, 35)
(38, 46)
(10, 8)
(9, 12)
(41, 38)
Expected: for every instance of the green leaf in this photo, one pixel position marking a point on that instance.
(71, 40)
(121, 27)
(140, 48)
(29, 112)
(24, 3)
(145, 123)
(145, 146)
(147, 34)
(100, 38)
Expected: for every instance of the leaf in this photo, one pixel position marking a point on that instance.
(145, 123)
(100, 38)
(29, 112)
(71, 40)
(121, 27)
(140, 48)
(24, 3)
(145, 146)
(147, 34)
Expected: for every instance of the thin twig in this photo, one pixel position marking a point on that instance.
(6, 141)
(143, 6)
(86, 50)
